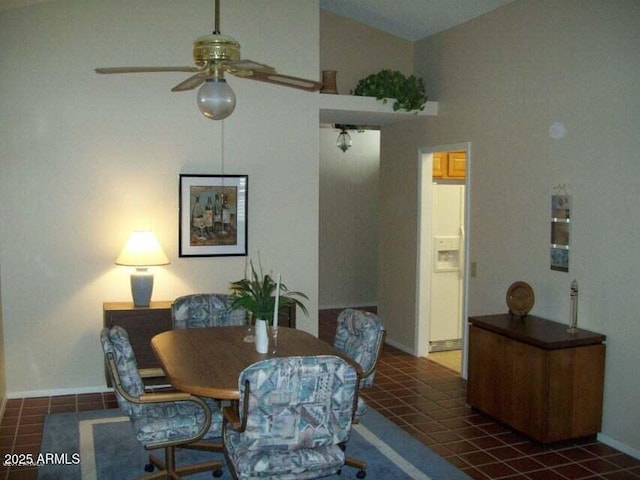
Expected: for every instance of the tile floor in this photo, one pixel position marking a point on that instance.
(422, 397)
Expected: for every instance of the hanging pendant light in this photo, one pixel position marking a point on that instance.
(344, 141)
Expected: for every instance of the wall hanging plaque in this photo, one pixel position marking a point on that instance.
(520, 298)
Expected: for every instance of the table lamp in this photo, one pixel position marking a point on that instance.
(142, 251)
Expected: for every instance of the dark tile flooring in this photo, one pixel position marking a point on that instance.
(424, 398)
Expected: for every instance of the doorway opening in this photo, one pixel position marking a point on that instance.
(348, 215)
(443, 242)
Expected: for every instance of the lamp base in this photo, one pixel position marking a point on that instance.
(141, 287)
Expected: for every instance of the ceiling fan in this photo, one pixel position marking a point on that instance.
(214, 55)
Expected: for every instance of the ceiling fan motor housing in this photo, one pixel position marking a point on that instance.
(215, 48)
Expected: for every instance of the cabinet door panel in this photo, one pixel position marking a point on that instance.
(439, 164)
(457, 164)
(527, 399)
(576, 387)
(506, 380)
(485, 364)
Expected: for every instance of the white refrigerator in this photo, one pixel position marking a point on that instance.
(447, 271)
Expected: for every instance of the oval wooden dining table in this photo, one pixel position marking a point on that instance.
(207, 361)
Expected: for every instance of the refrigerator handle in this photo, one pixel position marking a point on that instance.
(461, 253)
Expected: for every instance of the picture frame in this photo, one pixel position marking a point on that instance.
(560, 232)
(213, 215)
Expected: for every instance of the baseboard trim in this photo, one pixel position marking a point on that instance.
(623, 447)
(402, 347)
(445, 345)
(343, 307)
(60, 391)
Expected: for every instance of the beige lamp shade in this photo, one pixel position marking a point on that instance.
(142, 250)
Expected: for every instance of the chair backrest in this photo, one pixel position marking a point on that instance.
(116, 346)
(297, 402)
(360, 336)
(206, 310)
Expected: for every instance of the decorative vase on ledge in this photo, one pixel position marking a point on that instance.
(262, 338)
(329, 84)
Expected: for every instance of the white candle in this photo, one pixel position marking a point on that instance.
(275, 308)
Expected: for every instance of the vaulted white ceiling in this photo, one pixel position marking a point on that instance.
(408, 19)
(412, 19)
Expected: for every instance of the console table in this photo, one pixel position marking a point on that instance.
(142, 324)
(533, 375)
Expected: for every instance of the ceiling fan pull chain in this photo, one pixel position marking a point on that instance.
(222, 150)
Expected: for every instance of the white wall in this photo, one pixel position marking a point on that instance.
(86, 159)
(356, 50)
(348, 219)
(3, 383)
(501, 81)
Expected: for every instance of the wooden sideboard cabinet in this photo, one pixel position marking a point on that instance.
(141, 323)
(287, 317)
(535, 376)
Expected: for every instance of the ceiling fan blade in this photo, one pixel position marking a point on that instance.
(285, 80)
(191, 82)
(145, 69)
(247, 65)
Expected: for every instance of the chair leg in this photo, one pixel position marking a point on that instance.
(167, 469)
(356, 463)
(205, 446)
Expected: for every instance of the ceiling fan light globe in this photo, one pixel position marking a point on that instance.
(216, 99)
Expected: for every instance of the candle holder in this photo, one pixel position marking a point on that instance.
(249, 337)
(274, 343)
(573, 327)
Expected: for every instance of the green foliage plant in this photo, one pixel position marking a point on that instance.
(409, 93)
(256, 294)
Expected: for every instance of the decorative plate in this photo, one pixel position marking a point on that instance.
(520, 298)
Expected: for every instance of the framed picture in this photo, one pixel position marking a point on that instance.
(213, 215)
(560, 232)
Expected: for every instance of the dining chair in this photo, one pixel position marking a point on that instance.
(294, 414)
(206, 310)
(360, 335)
(161, 420)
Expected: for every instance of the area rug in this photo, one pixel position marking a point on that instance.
(101, 445)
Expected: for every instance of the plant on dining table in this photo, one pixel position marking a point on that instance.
(256, 294)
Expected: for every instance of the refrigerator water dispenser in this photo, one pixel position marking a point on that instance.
(446, 254)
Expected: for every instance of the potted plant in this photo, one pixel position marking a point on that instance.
(409, 93)
(257, 295)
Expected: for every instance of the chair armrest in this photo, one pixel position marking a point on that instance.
(231, 417)
(164, 397)
(151, 372)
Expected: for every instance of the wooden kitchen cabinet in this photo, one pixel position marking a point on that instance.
(449, 165)
(535, 376)
(142, 324)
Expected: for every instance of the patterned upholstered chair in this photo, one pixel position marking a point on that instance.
(161, 420)
(295, 412)
(206, 310)
(360, 335)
